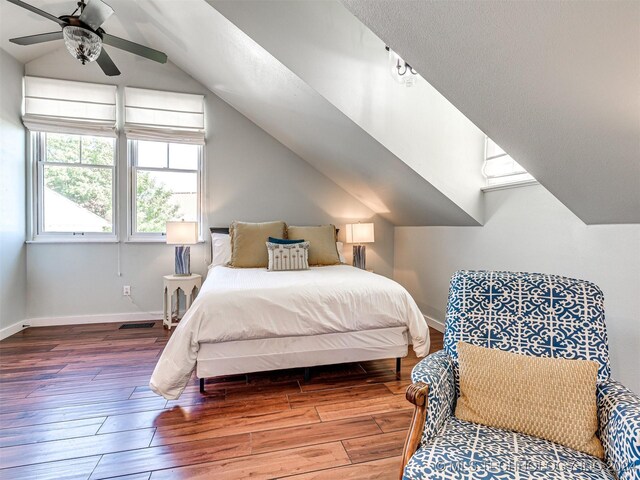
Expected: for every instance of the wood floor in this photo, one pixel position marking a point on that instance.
(75, 404)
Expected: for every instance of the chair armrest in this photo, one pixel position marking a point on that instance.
(434, 395)
(416, 394)
(436, 371)
(619, 416)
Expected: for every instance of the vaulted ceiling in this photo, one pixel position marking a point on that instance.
(557, 87)
(209, 47)
(556, 84)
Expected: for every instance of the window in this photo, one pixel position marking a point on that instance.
(501, 170)
(165, 132)
(75, 177)
(165, 185)
(72, 129)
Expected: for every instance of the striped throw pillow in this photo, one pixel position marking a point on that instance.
(294, 256)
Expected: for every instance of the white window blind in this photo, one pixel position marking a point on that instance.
(54, 105)
(164, 116)
(500, 169)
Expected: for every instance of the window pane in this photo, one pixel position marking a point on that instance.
(165, 196)
(152, 154)
(502, 166)
(77, 199)
(493, 149)
(520, 177)
(183, 156)
(62, 148)
(98, 150)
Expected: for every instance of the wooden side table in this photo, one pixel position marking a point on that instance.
(173, 284)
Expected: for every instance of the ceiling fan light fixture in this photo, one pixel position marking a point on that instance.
(82, 43)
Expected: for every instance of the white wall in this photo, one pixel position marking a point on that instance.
(528, 229)
(249, 176)
(13, 259)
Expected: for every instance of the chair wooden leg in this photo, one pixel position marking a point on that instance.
(202, 385)
(416, 394)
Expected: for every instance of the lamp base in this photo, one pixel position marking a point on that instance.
(360, 256)
(183, 261)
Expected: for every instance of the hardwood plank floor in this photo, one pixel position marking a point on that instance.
(75, 405)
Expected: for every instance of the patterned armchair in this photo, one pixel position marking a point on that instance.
(532, 314)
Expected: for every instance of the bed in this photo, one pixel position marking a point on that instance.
(248, 320)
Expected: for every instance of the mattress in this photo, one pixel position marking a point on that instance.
(241, 304)
(245, 356)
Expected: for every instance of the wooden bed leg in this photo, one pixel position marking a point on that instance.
(202, 385)
(307, 374)
(398, 367)
(416, 394)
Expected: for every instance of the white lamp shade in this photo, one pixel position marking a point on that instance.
(359, 232)
(182, 233)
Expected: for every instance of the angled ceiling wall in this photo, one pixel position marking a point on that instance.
(205, 44)
(556, 84)
(328, 48)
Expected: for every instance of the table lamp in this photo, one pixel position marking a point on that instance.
(181, 234)
(359, 233)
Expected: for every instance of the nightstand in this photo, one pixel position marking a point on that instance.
(173, 284)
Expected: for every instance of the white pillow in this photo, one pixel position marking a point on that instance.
(220, 249)
(340, 247)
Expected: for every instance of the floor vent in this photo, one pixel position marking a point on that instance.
(136, 325)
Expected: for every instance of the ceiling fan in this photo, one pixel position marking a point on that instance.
(83, 36)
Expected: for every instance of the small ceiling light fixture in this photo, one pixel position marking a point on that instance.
(82, 43)
(401, 71)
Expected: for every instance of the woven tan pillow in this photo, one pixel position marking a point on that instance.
(248, 242)
(322, 243)
(549, 398)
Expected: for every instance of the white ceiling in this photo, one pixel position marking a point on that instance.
(329, 49)
(206, 45)
(17, 22)
(556, 84)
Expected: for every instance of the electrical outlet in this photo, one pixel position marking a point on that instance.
(126, 290)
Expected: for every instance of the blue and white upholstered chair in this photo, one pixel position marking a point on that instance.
(531, 314)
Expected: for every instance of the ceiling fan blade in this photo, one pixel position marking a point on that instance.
(134, 48)
(39, 38)
(95, 13)
(107, 65)
(42, 13)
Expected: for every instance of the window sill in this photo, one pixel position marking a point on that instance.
(71, 240)
(504, 186)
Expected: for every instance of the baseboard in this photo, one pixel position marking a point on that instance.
(87, 319)
(11, 330)
(433, 323)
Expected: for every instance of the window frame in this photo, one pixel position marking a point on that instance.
(37, 153)
(132, 168)
(516, 178)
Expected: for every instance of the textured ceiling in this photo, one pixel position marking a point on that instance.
(556, 84)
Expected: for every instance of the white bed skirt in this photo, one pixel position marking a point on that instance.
(246, 356)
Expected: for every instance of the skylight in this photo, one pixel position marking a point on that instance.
(500, 169)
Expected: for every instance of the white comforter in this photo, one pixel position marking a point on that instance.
(242, 304)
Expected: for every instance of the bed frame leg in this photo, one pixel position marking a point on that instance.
(202, 385)
(398, 367)
(307, 374)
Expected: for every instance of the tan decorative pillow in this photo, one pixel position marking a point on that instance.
(248, 249)
(550, 398)
(322, 243)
